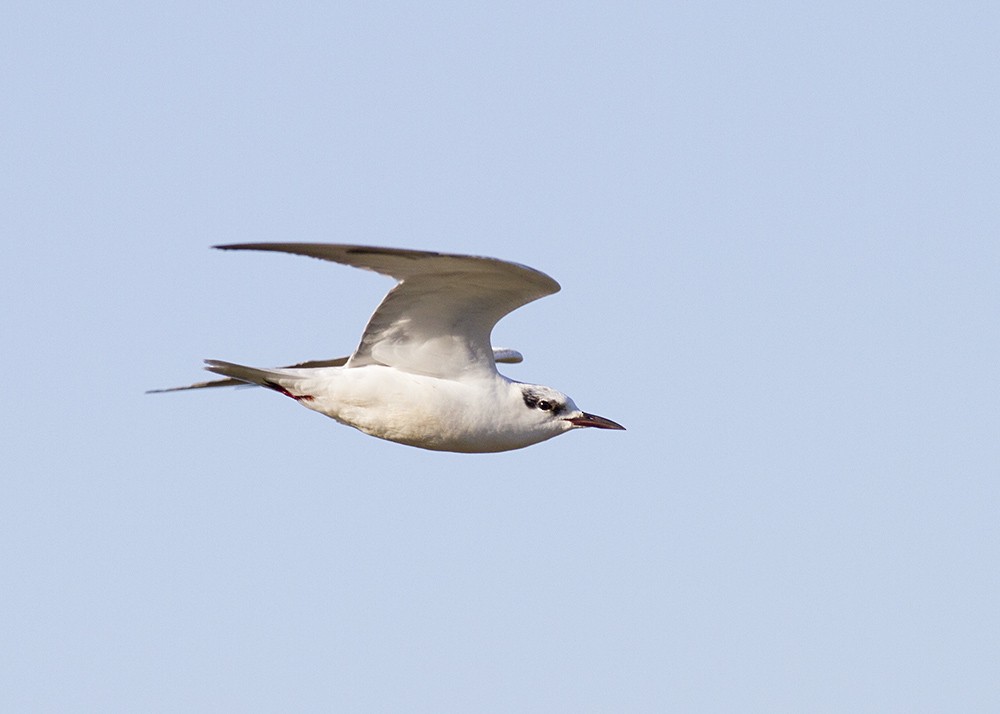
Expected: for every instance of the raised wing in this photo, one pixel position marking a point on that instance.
(438, 319)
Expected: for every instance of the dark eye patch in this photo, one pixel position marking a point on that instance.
(534, 401)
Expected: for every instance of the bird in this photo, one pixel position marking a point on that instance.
(425, 371)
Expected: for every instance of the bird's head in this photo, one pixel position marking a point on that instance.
(548, 409)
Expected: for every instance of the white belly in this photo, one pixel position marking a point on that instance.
(417, 410)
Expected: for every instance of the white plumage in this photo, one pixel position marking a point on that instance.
(424, 373)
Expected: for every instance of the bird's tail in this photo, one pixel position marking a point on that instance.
(239, 382)
(284, 381)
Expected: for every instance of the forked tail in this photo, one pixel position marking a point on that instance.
(278, 380)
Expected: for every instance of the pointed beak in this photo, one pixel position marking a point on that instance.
(593, 420)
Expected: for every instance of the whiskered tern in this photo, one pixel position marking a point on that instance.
(425, 371)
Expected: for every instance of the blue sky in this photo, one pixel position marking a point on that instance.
(776, 230)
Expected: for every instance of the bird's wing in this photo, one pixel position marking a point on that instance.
(500, 354)
(507, 355)
(437, 320)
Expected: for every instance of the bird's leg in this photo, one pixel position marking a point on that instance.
(278, 388)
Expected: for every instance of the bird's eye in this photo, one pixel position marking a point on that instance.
(544, 405)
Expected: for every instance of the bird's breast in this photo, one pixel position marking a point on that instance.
(422, 411)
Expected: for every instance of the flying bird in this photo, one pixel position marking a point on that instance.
(425, 371)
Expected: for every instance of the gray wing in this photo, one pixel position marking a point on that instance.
(500, 354)
(438, 319)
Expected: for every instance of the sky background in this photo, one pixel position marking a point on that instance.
(776, 227)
